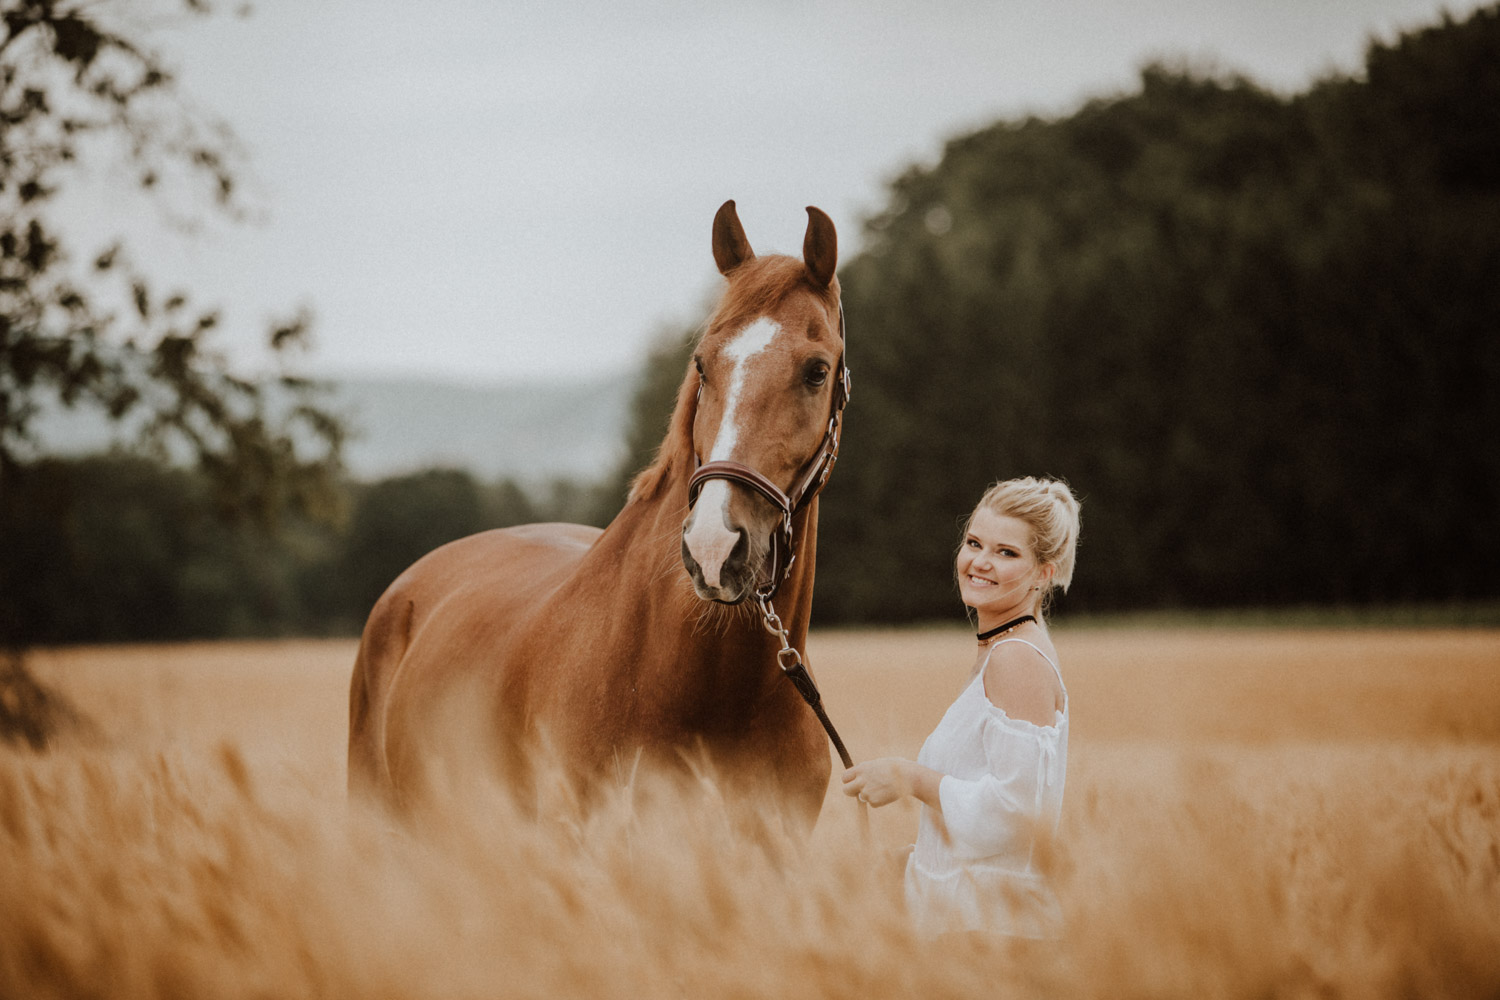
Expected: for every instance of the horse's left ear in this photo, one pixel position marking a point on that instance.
(820, 247)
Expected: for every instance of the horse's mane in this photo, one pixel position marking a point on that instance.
(754, 288)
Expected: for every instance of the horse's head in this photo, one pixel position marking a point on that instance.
(770, 386)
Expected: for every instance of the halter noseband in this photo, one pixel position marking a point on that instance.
(805, 486)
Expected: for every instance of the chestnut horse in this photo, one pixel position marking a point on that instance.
(628, 640)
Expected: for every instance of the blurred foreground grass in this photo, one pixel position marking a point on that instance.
(1249, 813)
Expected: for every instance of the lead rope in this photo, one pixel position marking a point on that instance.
(795, 670)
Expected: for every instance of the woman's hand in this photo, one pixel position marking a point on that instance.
(883, 781)
(880, 782)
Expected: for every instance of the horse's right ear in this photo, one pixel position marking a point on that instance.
(731, 248)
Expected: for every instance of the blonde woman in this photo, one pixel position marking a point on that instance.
(990, 777)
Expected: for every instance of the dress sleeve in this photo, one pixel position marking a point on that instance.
(996, 813)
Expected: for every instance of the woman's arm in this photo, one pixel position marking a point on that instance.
(884, 780)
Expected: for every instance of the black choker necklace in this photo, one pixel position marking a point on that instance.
(999, 629)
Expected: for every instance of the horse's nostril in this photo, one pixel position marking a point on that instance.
(741, 550)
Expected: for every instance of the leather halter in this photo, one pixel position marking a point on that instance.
(806, 485)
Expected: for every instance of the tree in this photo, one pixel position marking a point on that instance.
(88, 329)
(399, 520)
(1255, 331)
(76, 91)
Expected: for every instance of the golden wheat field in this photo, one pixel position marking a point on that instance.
(1249, 813)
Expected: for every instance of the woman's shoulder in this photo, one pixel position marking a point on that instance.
(1020, 679)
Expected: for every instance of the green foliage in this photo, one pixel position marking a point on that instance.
(397, 521)
(121, 548)
(1256, 333)
(78, 94)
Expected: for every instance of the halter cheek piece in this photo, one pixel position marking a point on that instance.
(806, 485)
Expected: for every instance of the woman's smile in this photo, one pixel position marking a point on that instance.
(996, 566)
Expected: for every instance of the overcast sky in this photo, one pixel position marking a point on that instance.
(497, 191)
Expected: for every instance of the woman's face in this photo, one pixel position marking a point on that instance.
(997, 567)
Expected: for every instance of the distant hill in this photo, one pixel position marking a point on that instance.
(528, 431)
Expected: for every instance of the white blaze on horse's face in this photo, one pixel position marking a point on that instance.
(752, 340)
(709, 536)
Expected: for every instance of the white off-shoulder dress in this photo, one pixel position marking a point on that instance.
(974, 865)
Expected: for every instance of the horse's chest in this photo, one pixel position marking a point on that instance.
(622, 717)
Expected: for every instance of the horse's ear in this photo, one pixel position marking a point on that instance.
(820, 247)
(731, 248)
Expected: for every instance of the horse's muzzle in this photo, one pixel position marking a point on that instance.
(735, 577)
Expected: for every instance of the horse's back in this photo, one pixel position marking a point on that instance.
(466, 598)
(482, 559)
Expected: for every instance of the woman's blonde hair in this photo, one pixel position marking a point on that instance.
(1050, 508)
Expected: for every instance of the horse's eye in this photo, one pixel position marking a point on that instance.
(816, 375)
(698, 364)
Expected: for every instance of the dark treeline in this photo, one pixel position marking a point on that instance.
(1258, 333)
(120, 548)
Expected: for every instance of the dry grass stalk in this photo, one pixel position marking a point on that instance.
(205, 849)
